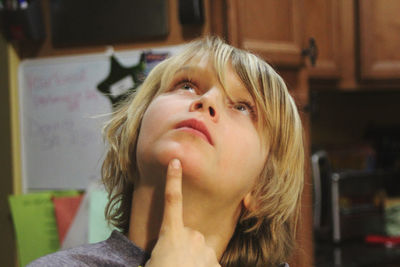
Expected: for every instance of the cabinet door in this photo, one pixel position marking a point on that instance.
(379, 24)
(269, 28)
(322, 24)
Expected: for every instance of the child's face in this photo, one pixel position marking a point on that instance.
(222, 164)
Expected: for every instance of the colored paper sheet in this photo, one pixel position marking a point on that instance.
(65, 209)
(35, 225)
(99, 229)
(78, 232)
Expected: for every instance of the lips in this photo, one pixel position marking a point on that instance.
(197, 126)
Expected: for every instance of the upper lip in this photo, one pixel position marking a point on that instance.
(197, 125)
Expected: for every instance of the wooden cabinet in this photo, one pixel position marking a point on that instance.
(369, 45)
(322, 23)
(279, 32)
(379, 34)
(271, 29)
(357, 43)
(369, 39)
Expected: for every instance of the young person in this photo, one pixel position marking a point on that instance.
(204, 166)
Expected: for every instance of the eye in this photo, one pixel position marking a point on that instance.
(186, 85)
(241, 107)
(245, 107)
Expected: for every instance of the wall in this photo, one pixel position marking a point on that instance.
(7, 244)
(340, 118)
(341, 123)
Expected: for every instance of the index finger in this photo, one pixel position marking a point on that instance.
(173, 212)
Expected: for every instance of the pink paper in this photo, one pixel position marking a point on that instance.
(65, 210)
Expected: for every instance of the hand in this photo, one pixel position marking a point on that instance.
(177, 245)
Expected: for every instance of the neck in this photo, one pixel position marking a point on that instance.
(147, 210)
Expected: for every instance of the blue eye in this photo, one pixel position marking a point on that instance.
(245, 107)
(187, 86)
(240, 107)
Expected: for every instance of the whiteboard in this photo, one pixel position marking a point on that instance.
(61, 116)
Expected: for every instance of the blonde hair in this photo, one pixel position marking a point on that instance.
(264, 236)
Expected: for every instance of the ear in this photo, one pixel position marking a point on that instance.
(250, 202)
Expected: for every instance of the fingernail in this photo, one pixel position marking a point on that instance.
(176, 164)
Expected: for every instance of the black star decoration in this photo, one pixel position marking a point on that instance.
(122, 81)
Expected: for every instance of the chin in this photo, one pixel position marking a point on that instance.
(194, 163)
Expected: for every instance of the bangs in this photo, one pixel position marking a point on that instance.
(255, 75)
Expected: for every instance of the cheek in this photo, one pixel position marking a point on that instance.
(245, 143)
(156, 117)
(244, 157)
(155, 143)
(151, 127)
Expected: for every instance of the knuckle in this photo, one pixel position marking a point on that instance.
(197, 236)
(173, 197)
(173, 172)
(164, 230)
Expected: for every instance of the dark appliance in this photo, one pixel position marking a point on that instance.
(348, 204)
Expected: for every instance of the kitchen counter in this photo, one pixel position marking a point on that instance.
(355, 253)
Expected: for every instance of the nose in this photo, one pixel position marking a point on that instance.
(208, 103)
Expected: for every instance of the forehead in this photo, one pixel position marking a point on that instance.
(197, 63)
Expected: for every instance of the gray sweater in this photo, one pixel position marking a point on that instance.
(117, 250)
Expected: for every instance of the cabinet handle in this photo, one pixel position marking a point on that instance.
(311, 51)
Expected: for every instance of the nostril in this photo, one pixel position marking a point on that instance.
(212, 111)
(199, 105)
